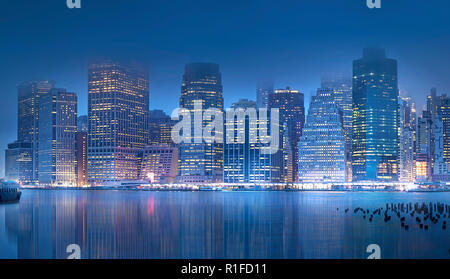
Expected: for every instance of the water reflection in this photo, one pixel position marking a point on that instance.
(124, 224)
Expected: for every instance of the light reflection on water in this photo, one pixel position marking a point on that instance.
(127, 224)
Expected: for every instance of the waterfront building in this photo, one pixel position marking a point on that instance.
(29, 95)
(440, 138)
(199, 160)
(159, 163)
(423, 145)
(322, 144)
(118, 109)
(56, 139)
(441, 168)
(246, 161)
(423, 167)
(407, 135)
(433, 110)
(19, 162)
(375, 137)
(444, 112)
(82, 160)
(290, 103)
(263, 91)
(342, 95)
(160, 128)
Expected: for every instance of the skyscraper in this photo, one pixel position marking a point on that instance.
(200, 161)
(433, 108)
(407, 136)
(245, 161)
(322, 144)
(342, 95)
(423, 145)
(431, 144)
(292, 116)
(29, 95)
(441, 138)
(263, 90)
(118, 120)
(375, 142)
(19, 162)
(441, 168)
(56, 139)
(160, 128)
(444, 112)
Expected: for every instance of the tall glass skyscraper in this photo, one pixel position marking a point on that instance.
(291, 105)
(322, 144)
(375, 142)
(118, 120)
(56, 139)
(200, 161)
(29, 96)
(342, 94)
(423, 147)
(444, 111)
(407, 136)
(246, 162)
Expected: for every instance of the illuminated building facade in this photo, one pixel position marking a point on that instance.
(375, 137)
(423, 168)
(292, 116)
(200, 161)
(56, 139)
(441, 168)
(423, 145)
(81, 155)
(407, 139)
(160, 127)
(246, 161)
(118, 120)
(444, 111)
(29, 95)
(19, 162)
(322, 144)
(342, 95)
(159, 163)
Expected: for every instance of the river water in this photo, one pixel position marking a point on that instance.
(198, 225)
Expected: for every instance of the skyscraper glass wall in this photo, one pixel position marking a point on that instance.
(375, 142)
(56, 139)
(118, 120)
(200, 161)
(322, 144)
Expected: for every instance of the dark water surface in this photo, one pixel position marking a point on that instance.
(127, 224)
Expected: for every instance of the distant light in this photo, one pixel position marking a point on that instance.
(151, 177)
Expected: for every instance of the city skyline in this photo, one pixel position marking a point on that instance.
(251, 40)
(123, 87)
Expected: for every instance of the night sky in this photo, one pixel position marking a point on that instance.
(292, 42)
